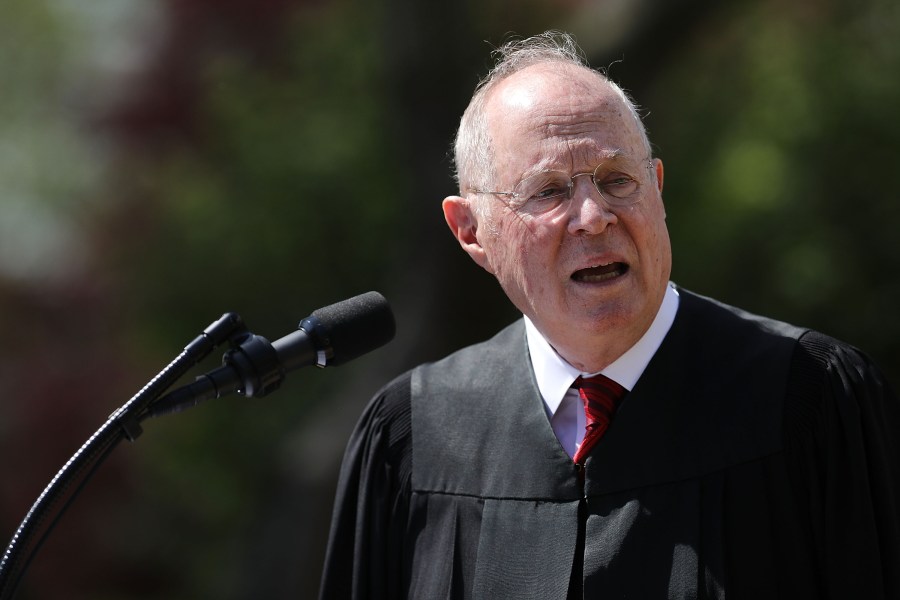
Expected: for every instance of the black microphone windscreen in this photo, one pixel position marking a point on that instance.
(356, 326)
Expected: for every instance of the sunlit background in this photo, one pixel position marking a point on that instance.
(164, 162)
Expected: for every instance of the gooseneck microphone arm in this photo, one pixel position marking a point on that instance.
(252, 367)
(62, 489)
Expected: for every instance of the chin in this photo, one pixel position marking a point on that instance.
(605, 320)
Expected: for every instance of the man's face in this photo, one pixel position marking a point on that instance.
(591, 277)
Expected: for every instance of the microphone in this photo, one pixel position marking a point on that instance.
(254, 367)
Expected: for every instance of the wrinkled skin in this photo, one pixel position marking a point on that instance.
(570, 119)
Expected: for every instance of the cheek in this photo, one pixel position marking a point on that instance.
(654, 243)
(511, 251)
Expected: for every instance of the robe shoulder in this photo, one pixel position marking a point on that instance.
(841, 423)
(362, 559)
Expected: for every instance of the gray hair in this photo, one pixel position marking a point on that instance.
(473, 148)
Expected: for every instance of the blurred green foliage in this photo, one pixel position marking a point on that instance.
(779, 135)
(160, 166)
(282, 189)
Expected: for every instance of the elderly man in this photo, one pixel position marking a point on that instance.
(626, 438)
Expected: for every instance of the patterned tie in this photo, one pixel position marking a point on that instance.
(601, 396)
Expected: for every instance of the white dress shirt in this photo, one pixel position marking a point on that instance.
(555, 375)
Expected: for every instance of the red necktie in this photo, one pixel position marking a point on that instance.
(601, 396)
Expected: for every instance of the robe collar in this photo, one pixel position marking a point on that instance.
(711, 397)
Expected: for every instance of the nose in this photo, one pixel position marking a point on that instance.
(588, 211)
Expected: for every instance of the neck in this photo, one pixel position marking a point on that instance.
(596, 353)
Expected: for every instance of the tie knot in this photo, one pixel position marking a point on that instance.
(599, 389)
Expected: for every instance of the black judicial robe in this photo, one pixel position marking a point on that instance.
(751, 460)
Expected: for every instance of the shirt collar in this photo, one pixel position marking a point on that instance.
(555, 375)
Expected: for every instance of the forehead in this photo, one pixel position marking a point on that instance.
(552, 116)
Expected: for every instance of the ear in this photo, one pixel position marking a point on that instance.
(463, 222)
(658, 165)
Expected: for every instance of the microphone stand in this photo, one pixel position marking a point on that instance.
(123, 423)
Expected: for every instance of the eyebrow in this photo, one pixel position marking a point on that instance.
(542, 166)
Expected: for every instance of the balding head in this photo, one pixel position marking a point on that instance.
(474, 153)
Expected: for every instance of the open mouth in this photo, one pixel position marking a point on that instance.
(600, 273)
